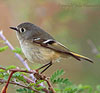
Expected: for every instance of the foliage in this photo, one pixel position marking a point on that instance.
(17, 50)
(65, 86)
(3, 48)
(24, 90)
(76, 20)
(62, 85)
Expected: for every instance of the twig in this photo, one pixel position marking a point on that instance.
(37, 76)
(4, 90)
(15, 83)
(28, 80)
(50, 86)
(19, 70)
(41, 77)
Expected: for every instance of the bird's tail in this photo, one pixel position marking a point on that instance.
(79, 57)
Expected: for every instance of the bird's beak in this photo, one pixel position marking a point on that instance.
(14, 28)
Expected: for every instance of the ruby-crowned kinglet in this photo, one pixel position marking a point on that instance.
(39, 46)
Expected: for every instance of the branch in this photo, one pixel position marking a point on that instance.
(19, 70)
(37, 76)
(42, 77)
(4, 90)
(18, 84)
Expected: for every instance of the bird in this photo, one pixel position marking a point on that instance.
(40, 47)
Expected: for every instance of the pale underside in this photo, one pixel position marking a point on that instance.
(39, 54)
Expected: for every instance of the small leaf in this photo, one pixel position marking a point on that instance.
(18, 50)
(82, 88)
(39, 88)
(6, 77)
(24, 89)
(31, 84)
(3, 48)
(1, 75)
(56, 75)
(57, 89)
(30, 91)
(38, 82)
(18, 76)
(11, 67)
(1, 70)
(62, 81)
(20, 90)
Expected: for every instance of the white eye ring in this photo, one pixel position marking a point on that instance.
(22, 30)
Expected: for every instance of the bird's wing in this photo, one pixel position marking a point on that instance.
(58, 47)
(54, 45)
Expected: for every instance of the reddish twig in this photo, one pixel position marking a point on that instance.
(6, 86)
(41, 77)
(19, 70)
(50, 86)
(36, 74)
(18, 84)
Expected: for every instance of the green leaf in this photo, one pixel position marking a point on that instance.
(57, 89)
(30, 91)
(56, 75)
(20, 90)
(38, 82)
(18, 76)
(17, 50)
(39, 88)
(1, 75)
(6, 77)
(3, 48)
(70, 90)
(11, 67)
(1, 70)
(59, 80)
(24, 89)
(82, 88)
(31, 84)
(62, 81)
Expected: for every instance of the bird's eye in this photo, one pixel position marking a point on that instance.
(22, 30)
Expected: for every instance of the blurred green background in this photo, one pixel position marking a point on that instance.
(72, 22)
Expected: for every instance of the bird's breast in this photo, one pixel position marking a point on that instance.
(36, 53)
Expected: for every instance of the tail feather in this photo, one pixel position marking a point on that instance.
(79, 57)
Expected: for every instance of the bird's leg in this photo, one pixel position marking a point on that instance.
(44, 66)
(48, 65)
